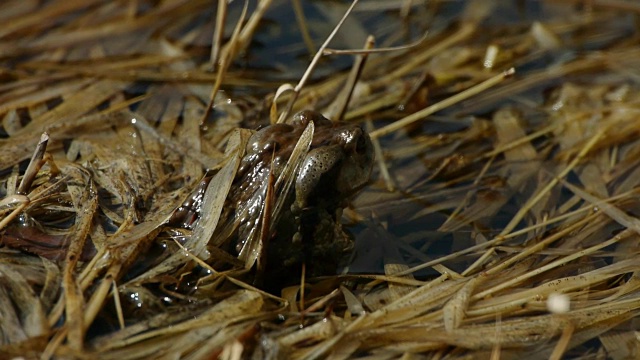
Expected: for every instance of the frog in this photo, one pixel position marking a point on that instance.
(309, 231)
(337, 165)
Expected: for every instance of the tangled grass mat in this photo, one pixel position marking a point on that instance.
(500, 220)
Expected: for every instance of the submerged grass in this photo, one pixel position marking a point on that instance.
(482, 209)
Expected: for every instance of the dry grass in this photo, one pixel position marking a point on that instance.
(480, 209)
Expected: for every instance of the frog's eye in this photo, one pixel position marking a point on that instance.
(356, 141)
(300, 119)
(361, 144)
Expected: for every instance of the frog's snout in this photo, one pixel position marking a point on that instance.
(358, 162)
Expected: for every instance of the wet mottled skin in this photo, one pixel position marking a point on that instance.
(338, 164)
